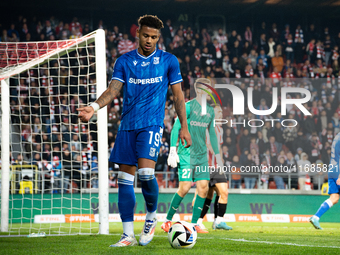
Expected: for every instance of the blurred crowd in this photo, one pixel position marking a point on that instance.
(261, 57)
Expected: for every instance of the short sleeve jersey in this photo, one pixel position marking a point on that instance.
(146, 81)
(333, 170)
(198, 124)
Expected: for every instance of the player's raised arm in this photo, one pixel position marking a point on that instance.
(108, 95)
(181, 112)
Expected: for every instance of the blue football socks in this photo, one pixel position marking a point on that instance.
(324, 208)
(126, 201)
(149, 190)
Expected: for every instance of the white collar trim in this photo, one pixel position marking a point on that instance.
(147, 56)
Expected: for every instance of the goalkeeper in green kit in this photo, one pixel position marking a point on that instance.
(193, 161)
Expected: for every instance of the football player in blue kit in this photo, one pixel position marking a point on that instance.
(145, 75)
(333, 183)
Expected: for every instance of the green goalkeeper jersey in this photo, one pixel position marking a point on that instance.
(197, 125)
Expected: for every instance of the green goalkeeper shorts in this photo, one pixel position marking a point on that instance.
(193, 169)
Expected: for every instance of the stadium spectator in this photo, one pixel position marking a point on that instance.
(250, 178)
(319, 176)
(48, 30)
(274, 149)
(320, 53)
(274, 33)
(13, 34)
(326, 153)
(279, 169)
(263, 47)
(125, 45)
(76, 174)
(303, 169)
(277, 62)
(244, 156)
(264, 175)
(235, 177)
(289, 134)
(244, 141)
(75, 23)
(271, 47)
(56, 174)
(23, 32)
(65, 32)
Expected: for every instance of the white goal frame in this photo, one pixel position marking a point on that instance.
(99, 37)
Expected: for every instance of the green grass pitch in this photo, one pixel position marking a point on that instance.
(246, 238)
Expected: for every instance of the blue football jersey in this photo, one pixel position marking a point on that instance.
(146, 81)
(333, 170)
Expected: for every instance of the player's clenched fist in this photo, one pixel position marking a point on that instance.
(185, 137)
(85, 113)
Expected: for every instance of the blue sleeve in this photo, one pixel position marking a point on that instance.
(337, 155)
(174, 72)
(118, 70)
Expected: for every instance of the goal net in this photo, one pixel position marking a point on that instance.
(54, 170)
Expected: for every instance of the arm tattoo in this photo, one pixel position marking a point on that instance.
(110, 93)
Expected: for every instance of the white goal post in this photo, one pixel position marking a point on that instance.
(23, 57)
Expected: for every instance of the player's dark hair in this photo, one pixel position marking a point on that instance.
(150, 21)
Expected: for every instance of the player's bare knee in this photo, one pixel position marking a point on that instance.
(182, 192)
(334, 198)
(202, 190)
(224, 196)
(183, 189)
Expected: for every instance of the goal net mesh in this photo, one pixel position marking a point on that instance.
(53, 156)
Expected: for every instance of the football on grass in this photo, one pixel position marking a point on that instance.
(182, 235)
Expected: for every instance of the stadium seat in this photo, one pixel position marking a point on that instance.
(172, 184)
(26, 187)
(73, 188)
(160, 181)
(272, 185)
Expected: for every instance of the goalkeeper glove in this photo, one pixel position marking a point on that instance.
(173, 158)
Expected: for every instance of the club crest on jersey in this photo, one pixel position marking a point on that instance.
(156, 60)
(152, 152)
(135, 62)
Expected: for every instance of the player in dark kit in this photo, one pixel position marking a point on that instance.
(218, 182)
(146, 74)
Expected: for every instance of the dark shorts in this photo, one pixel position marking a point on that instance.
(216, 177)
(130, 145)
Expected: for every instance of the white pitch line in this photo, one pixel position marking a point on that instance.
(265, 242)
(290, 244)
(228, 239)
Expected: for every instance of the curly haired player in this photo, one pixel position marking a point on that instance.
(146, 74)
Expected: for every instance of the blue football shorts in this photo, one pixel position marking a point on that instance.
(130, 145)
(332, 186)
